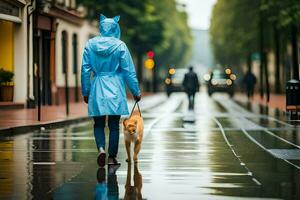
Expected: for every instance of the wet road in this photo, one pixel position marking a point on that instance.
(220, 151)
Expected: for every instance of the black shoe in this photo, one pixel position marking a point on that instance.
(101, 158)
(101, 175)
(113, 161)
(112, 169)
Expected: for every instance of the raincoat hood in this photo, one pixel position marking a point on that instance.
(109, 40)
(104, 45)
(109, 27)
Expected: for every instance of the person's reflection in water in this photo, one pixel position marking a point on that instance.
(101, 187)
(133, 192)
(107, 190)
(112, 183)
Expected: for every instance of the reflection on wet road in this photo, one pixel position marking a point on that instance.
(220, 151)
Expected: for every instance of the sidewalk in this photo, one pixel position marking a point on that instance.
(276, 100)
(24, 120)
(27, 118)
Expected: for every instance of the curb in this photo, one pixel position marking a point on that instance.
(48, 125)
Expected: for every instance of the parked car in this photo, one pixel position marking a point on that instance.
(221, 81)
(174, 80)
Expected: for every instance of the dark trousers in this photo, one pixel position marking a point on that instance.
(113, 125)
(250, 91)
(191, 98)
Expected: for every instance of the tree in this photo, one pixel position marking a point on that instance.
(241, 28)
(234, 30)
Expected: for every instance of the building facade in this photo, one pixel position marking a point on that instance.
(42, 43)
(13, 48)
(60, 33)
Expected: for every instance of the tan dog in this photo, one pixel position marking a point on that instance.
(135, 191)
(133, 133)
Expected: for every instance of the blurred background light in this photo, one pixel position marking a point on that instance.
(172, 71)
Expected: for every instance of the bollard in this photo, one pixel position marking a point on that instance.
(293, 99)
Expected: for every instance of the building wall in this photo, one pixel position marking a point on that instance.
(13, 50)
(20, 58)
(84, 32)
(70, 29)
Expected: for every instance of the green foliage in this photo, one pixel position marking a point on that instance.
(234, 30)
(283, 13)
(149, 25)
(176, 46)
(235, 26)
(5, 77)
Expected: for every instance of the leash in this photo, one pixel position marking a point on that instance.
(136, 104)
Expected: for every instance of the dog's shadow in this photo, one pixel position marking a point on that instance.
(133, 191)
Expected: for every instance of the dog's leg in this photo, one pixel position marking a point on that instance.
(128, 183)
(138, 181)
(127, 145)
(137, 147)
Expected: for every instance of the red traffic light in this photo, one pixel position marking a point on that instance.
(150, 54)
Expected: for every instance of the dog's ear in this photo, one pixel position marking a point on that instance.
(124, 122)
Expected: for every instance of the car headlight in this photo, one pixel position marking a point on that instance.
(168, 81)
(232, 77)
(206, 77)
(229, 82)
(214, 82)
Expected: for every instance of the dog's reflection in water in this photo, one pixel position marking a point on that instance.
(133, 192)
(107, 190)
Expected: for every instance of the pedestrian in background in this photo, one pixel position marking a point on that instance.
(107, 59)
(249, 81)
(191, 86)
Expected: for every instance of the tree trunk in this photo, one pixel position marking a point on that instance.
(266, 75)
(140, 67)
(154, 79)
(249, 62)
(277, 60)
(261, 49)
(295, 53)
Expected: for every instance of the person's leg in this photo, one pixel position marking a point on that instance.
(193, 100)
(113, 124)
(248, 93)
(252, 92)
(190, 101)
(99, 131)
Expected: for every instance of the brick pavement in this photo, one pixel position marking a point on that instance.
(276, 100)
(22, 117)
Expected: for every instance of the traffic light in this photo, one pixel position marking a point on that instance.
(150, 54)
(149, 62)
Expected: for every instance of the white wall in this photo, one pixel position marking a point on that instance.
(83, 33)
(70, 29)
(20, 58)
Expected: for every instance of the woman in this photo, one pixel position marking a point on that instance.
(107, 59)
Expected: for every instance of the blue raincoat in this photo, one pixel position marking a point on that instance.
(106, 67)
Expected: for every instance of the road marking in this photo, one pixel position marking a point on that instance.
(289, 154)
(261, 146)
(44, 163)
(282, 139)
(235, 154)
